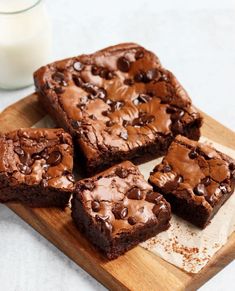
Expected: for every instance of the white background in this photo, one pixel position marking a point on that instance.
(194, 39)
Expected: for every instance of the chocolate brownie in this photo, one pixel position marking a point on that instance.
(119, 103)
(195, 178)
(117, 209)
(36, 167)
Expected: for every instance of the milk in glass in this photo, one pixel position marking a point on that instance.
(25, 41)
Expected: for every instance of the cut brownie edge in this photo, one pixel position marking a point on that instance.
(36, 167)
(117, 209)
(80, 93)
(120, 245)
(36, 196)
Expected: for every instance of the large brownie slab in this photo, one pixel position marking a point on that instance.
(36, 167)
(117, 209)
(118, 103)
(195, 178)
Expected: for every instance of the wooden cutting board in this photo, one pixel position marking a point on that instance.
(136, 270)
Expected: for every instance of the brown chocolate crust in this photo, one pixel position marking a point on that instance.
(195, 178)
(117, 209)
(118, 103)
(36, 167)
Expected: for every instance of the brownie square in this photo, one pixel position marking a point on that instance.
(195, 178)
(118, 103)
(117, 209)
(36, 167)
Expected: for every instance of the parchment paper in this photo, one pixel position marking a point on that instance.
(183, 244)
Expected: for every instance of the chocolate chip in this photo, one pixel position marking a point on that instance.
(90, 88)
(164, 77)
(143, 120)
(119, 211)
(171, 110)
(142, 98)
(110, 76)
(167, 169)
(54, 158)
(24, 169)
(105, 225)
(116, 105)
(134, 193)
(151, 75)
(139, 54)
(59, 90)
(95, 70)
(95, 205)
(131, 220)
(105, 113)
(139, 77)
(179, 179)
(76, 124)
(124, 213)
(129, 82)
(99, 218)
(77, 81)
(193, 154)
(200, 190)
(223, 188)
(108, 101)
(44, 154)
(78, 66)
(206, 181)
(58, 76)
(26, 159)
(123, 64)
(158, 208)
(153, 197)
(124, 135)
(81, 106)
(104, 73)
(177, 115)
(231, 166)
(19, 151)
(47, 86)
(36, 156)
(121, 172)
(109, 123)
(70, 177)
(125, 123)
(93, 117)
(89, 185)
(102, 93)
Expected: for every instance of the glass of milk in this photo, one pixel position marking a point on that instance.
(25, 41)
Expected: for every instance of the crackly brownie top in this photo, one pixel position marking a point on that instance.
(34, 156)
(120, 200)
(205, 173)
(120, 97)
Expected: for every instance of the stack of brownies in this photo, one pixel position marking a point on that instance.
(116, 105)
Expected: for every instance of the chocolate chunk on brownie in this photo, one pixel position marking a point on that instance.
(118, 103)
(36, 167)
(117, 209)
(195, 178)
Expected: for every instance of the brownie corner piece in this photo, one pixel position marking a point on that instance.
(195, 179)
(117, 209)
(119, 103)
(36, 167)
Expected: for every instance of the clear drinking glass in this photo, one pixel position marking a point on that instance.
(25, 41)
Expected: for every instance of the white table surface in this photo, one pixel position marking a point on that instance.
(194, 39)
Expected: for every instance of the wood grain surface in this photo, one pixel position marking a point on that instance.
(136, 270)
